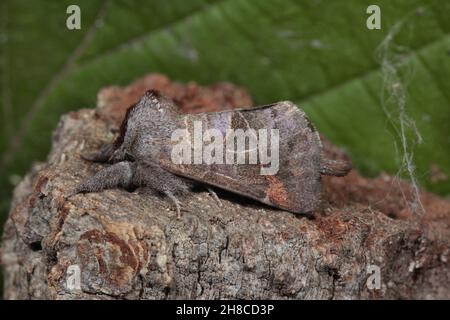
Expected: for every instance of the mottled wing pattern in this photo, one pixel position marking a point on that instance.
(296, 185)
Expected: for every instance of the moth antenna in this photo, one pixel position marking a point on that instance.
(123, 127)
(337, 168)
(104, 155)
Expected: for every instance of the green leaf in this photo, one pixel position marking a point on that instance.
(320, 54)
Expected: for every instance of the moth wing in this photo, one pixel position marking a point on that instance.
(293, 182)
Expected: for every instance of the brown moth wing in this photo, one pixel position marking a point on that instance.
(295, 187)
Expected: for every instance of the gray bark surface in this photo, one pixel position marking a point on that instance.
(130, 244)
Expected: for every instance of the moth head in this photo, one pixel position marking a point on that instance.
(152, 113)
(152, 109)
(158, 104)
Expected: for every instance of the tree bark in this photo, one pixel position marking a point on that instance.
(130, 244)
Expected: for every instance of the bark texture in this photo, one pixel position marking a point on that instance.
(130, 244)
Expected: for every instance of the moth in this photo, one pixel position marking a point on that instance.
(143, 154)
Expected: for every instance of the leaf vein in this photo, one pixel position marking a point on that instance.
(22, 131)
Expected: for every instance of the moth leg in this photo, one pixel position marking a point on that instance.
(177, 203)
(336, 168)
(116, 175)
(148, 174)
(102, 155)
(214, 195)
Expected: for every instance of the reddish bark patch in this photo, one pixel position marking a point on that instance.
(114, 101)
(116, 261)
(41, 181)
(276, 192)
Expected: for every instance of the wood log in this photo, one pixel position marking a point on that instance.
(366, 243)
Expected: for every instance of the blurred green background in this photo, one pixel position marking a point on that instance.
(362, 88)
